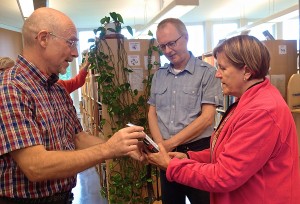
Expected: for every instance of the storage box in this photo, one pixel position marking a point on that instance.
(283, 62)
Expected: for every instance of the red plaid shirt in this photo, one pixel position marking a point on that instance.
(34, 110)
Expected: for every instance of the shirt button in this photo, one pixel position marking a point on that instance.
(173, 106)
(174, 91)
(172, 121)
(175, 77)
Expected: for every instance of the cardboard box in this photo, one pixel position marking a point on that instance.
(136, 59)
(283, 62)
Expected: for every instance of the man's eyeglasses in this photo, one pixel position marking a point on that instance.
(71, 43)
(170, 44)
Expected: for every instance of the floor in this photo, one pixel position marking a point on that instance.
(87, 190)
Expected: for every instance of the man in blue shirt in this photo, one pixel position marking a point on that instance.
(183, 101)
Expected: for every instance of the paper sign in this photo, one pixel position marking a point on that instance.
(136, 79)
(134, 46)
(282, 49)
(134, 60)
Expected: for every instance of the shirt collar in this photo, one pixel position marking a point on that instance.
(45, 79)
(190, 66)
(52, 80)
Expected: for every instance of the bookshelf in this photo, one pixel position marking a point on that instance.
(209, 58)
(90, 106)
(228, 100)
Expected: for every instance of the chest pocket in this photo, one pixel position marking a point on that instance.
(189, 98)
(162, 99)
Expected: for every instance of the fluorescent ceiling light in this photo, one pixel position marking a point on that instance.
(176, 8)
(26, 8)
(284, 17)
(286, 14)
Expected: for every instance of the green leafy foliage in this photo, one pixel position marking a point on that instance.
(114, 18)
(127, 178)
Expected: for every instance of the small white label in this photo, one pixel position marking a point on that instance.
(282, 49)
(134, 46)
(134, 60)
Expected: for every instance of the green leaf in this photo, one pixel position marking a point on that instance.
(120, 19)
(102, 122)
(114, 16)
(155, 48)
(118, 27)
(95, 31)
(127, 86)
(125, 69)
(150, 33)
(129, 29)
(105, 20)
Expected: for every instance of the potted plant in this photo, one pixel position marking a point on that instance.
(112, 25)
(129, 181)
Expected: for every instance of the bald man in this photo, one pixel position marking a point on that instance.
(42, 144)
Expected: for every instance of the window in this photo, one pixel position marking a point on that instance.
(290, 30)
(84, 36)
(220, 31)
(196, 39)
(257, 31)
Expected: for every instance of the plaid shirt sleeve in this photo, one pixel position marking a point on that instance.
(18, 130)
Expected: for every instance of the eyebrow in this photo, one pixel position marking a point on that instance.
(74, 38)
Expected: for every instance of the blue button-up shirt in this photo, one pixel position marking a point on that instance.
(178, 96)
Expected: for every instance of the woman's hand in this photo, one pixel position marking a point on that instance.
(178, 155)
(160, 159)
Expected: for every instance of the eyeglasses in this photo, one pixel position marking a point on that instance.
(71, 43)
(170, 44)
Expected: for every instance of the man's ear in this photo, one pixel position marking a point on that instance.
(186, 36)
(42, 38)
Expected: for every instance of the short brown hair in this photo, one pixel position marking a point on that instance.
(246, 50)
(181, 28)
(6, 62)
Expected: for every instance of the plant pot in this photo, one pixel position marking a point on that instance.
(110, 34)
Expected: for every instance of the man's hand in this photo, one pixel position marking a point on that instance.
(126, 141)
(167, 145)
(138, 154)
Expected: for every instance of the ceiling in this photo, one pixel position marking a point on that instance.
(87, 13)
